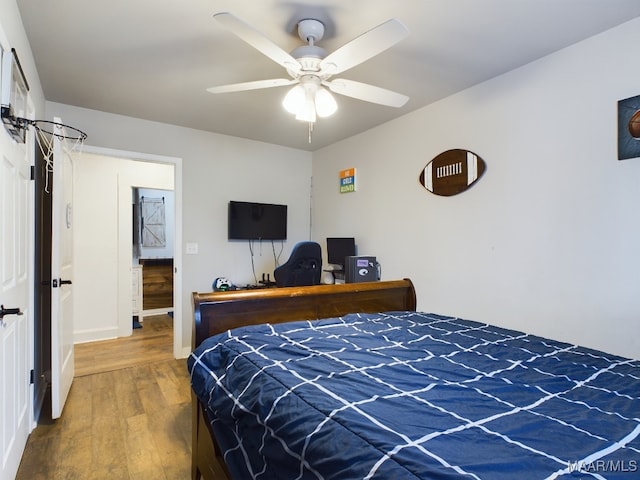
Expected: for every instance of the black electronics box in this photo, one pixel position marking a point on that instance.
(361, 269)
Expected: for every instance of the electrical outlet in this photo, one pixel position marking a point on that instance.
(192, 248)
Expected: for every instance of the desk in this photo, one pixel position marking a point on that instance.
(260, 286)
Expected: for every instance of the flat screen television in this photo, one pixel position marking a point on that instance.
(339, 248)
(257, 221)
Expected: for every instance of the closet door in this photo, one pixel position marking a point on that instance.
(16, 217)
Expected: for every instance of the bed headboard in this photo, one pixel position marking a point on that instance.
(216, 312)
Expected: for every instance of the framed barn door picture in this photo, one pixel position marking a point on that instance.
(153, 223)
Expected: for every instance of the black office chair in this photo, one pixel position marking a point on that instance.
(304, 266)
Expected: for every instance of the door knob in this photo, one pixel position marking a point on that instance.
(7, 311)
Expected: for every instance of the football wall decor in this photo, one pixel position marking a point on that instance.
(452, 172)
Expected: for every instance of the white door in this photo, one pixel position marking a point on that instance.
(62, 359)
(16, 201)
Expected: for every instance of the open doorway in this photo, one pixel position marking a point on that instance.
(153, 255)
(107, 179)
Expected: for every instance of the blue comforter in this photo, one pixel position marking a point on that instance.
(406, 395)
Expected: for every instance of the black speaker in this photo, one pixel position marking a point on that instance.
(361, 269)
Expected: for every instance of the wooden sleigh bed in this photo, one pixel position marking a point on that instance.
(374, 389)
(216, 312)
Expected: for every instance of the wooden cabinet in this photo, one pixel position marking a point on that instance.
(157, 283)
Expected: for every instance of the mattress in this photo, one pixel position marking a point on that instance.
(407, 395)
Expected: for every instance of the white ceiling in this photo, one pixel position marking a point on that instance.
(154, 59)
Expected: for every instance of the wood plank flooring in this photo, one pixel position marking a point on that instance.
(124, 419)
(149, 344)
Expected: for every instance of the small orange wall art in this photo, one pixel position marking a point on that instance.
(348, 180)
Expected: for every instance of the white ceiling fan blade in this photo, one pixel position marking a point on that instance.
(367, 45)
(257, 40)
(258, 84)
(366, 92)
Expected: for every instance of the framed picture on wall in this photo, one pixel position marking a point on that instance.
(152, 221)
(629, 128)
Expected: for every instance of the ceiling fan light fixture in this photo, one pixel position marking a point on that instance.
(309, 100)
(325, 103)
(294, 100)
(308, 111)
(310, 84)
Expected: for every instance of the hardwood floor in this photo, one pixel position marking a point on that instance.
(149, 344)
(128, 414)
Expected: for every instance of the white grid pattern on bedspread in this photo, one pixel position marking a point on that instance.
(453, 397)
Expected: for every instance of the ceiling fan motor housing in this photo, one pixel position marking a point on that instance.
(310, 30)
(309, 55)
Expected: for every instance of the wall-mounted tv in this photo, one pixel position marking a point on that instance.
(257, 221)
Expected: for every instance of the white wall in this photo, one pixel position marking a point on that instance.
(547, 241)
(215, 169)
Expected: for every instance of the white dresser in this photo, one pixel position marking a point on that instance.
(136, 290)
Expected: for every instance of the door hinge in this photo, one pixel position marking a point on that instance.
(32, 377)
(33, 172)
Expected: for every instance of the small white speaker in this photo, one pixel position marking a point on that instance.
(327, 278)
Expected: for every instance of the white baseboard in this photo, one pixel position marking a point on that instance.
(156, 311)
(95, 335)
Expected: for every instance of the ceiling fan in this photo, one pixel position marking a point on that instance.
(310, 67)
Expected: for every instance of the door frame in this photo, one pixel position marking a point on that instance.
(124, 242)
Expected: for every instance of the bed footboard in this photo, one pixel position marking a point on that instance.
(217, 312)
